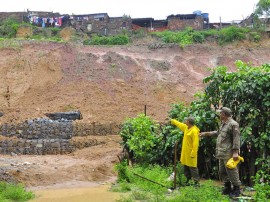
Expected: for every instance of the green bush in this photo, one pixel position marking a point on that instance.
(55, 31)
(104, 40)
(254, 36)
(262, 193)
(119, 40)
(122, 170)
(190, 36)
(232, 33)
(183, 38)
(8, 28)
(140, 135)
(140, 33)
(14, 192)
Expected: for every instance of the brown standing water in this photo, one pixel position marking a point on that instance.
(94, 192)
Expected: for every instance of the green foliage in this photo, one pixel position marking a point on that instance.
(231, 34)
(190, 36)
(155, 173)
(186, 37)
(14, 192)
(55, 30)
(139, 33)
(207, 192)
(10, 43)
(254, 36)
(262, 193)
(140, 136)
(104, 40)
(262, 180)
(206, 119)
(263, 7)
(36, 37)
(8, 28)
(263, 176)
(246, 92)
(122, 170)
(121, 187)
(144, 190)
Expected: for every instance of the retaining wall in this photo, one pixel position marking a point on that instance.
(45, 136)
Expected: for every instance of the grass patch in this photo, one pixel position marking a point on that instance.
(108, 40)
(140, 189)
(223, 36)
(14, 192)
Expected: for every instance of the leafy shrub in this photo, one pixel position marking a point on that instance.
(139, 33)
(232, 33)
(119, 40)
(140, 135)
(244, 92)
(262, 193)
(262, 180)
(122, 170)
(104, 40)
(14, 192)
(190, 36)
(8, 28)
(55, 30)
(254, 36)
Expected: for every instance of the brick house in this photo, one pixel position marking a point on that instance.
(180, 22)
(101, 23)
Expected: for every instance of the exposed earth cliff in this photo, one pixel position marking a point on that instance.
(107, 84)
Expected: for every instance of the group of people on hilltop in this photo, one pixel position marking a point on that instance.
(227, 148)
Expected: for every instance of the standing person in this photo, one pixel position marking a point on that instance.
(227, 146)
(190, 146)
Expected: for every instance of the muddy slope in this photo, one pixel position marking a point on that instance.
(109, 84)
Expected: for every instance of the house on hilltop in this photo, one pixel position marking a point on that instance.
(100, 23)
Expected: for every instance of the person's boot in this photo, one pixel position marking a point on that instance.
(227, 188)
(235, 192)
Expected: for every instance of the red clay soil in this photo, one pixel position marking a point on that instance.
(107, 84)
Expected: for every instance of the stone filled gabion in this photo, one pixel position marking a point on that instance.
(38, 136)
(45, 136)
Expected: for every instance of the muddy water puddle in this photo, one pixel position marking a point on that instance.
(91, 193)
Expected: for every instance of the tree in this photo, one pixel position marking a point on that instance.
(247, 93)
(263, 7)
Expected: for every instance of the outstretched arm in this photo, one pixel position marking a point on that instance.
(211, 133)
(179, 124)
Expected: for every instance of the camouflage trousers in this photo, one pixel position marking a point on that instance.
(191, 172)
(227, 174)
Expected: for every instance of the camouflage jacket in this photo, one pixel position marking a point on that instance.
(228, 139)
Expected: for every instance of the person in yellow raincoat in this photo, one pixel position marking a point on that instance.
(190, 145)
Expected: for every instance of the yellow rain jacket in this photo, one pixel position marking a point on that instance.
(190, 143)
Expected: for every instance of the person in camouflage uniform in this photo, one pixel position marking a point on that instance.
(227, 146)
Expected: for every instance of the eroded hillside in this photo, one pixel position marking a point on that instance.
(109, 84)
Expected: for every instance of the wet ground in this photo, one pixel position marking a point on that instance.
(92, 192)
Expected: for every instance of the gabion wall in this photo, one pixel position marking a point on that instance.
(44, 136)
